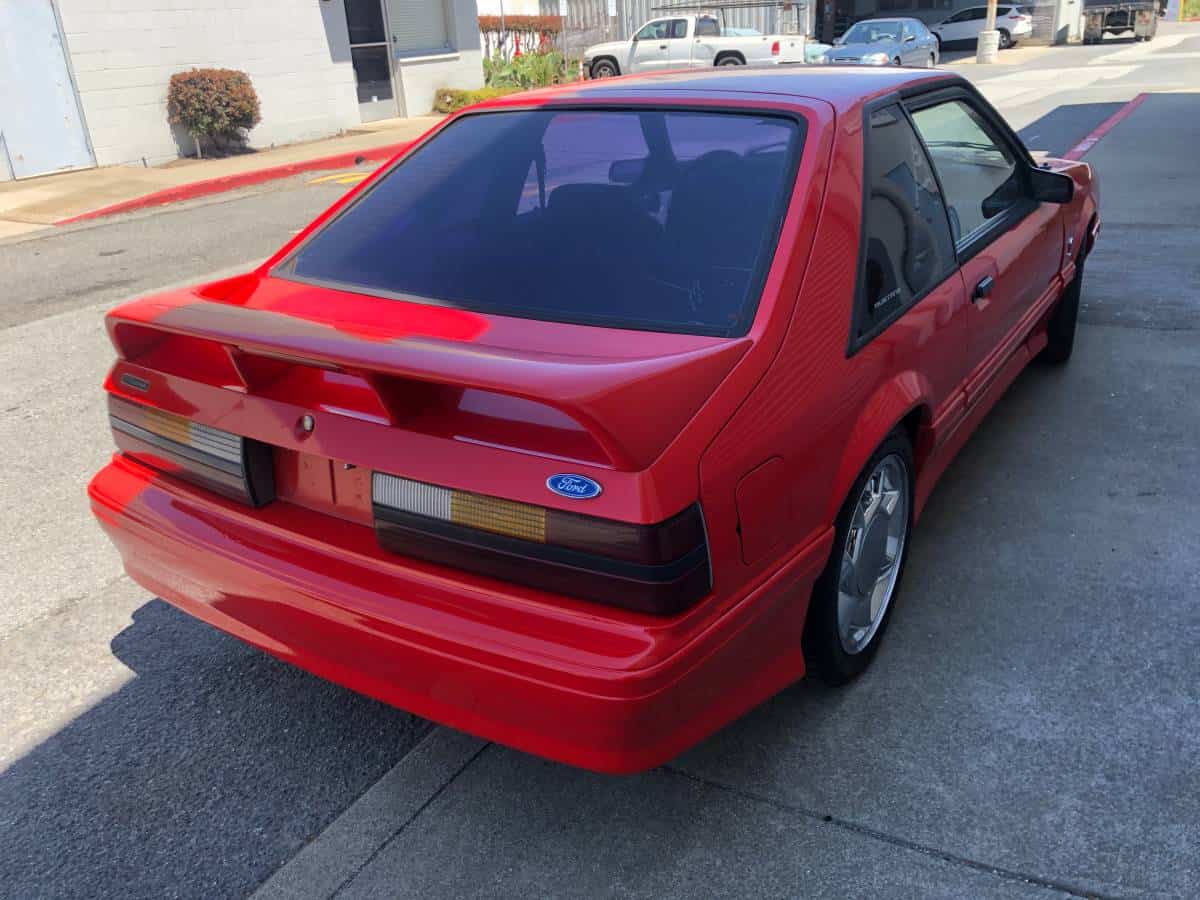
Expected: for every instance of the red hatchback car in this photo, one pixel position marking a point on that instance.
(602, 413)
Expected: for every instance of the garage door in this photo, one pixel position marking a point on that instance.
(41, 126)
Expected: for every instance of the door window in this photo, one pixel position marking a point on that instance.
(906, 238)
(979, 173)
(369, 50)
(679, 28)
(707, 27)
(655, 31)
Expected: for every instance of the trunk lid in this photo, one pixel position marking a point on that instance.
(487, 403)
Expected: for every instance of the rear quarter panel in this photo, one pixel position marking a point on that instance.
(819, 414)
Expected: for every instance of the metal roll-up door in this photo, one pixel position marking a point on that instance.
(417, 25)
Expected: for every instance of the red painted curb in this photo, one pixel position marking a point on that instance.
(241, 179)
(1105, 127)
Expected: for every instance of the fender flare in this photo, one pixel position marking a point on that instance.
(891, 403)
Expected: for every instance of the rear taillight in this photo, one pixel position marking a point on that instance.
(775, 49)
(661, 568)
(223, 462)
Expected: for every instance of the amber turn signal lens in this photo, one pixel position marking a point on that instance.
(218, 460)
(660, 568)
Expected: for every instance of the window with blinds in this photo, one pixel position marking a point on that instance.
(418, 25)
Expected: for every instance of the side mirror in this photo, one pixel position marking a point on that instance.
(1051, 187)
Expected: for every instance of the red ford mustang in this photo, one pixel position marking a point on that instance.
(602, 413)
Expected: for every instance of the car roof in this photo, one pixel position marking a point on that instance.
(842, 87)
(888, 19)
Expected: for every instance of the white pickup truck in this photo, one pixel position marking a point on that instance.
(682, 42)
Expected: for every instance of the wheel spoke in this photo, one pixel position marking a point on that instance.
(854, 544)
(888, 501)
(873, 496)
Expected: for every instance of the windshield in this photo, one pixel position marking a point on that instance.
(872, 32)
(656, 220)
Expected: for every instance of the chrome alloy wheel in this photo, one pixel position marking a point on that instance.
(874, 549)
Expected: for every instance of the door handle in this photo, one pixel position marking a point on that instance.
(662, 46)
(983, 289)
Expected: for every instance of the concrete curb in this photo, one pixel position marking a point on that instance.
(241, 179)
(341, 851)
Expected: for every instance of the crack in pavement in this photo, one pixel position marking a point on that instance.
(396, 832)
(1063, 887)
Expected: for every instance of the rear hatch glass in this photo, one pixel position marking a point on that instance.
(659, 220)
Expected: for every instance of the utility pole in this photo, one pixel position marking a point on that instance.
(989, 39)
(504, 33)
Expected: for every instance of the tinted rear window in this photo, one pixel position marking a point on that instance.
(657, 220)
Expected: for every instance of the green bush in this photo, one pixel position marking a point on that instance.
(529, 70)
(1190, 9)
(450, 100)
(215, 104)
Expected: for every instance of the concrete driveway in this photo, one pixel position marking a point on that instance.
(1031, 725)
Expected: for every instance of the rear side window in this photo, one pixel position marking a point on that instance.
(907, 248)
(657, 220)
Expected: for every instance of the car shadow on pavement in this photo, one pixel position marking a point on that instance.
(199, 777)
(1065, 126)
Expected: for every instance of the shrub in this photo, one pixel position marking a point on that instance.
(1190, 10)
(526, 71)
(450, 100)
(215, 104)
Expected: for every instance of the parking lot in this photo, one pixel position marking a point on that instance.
(1031, 726)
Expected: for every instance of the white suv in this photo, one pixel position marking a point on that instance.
(1013, 22)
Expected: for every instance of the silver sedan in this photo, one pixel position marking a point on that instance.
(886, 42)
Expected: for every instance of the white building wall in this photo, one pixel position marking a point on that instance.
(124, 52)
(419, 77)
(511, 7)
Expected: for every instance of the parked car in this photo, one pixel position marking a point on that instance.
(605, 411)
(682, 42)
(1013, 23)
(815, 52)
(886, 42)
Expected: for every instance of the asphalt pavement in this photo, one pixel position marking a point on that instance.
(1029, 728)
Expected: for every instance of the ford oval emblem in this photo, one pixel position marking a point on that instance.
(577, 487)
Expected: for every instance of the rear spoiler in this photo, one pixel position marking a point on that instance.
(252, 351)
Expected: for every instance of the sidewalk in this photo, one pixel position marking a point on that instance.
(36, 203)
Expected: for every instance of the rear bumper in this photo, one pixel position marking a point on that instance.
(617, 693)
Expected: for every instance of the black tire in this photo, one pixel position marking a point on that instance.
(896, 61)
(730, 59)
(605, 68)
(1061, 327)
(823, 652)
(932, 61)
(1006, 40)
